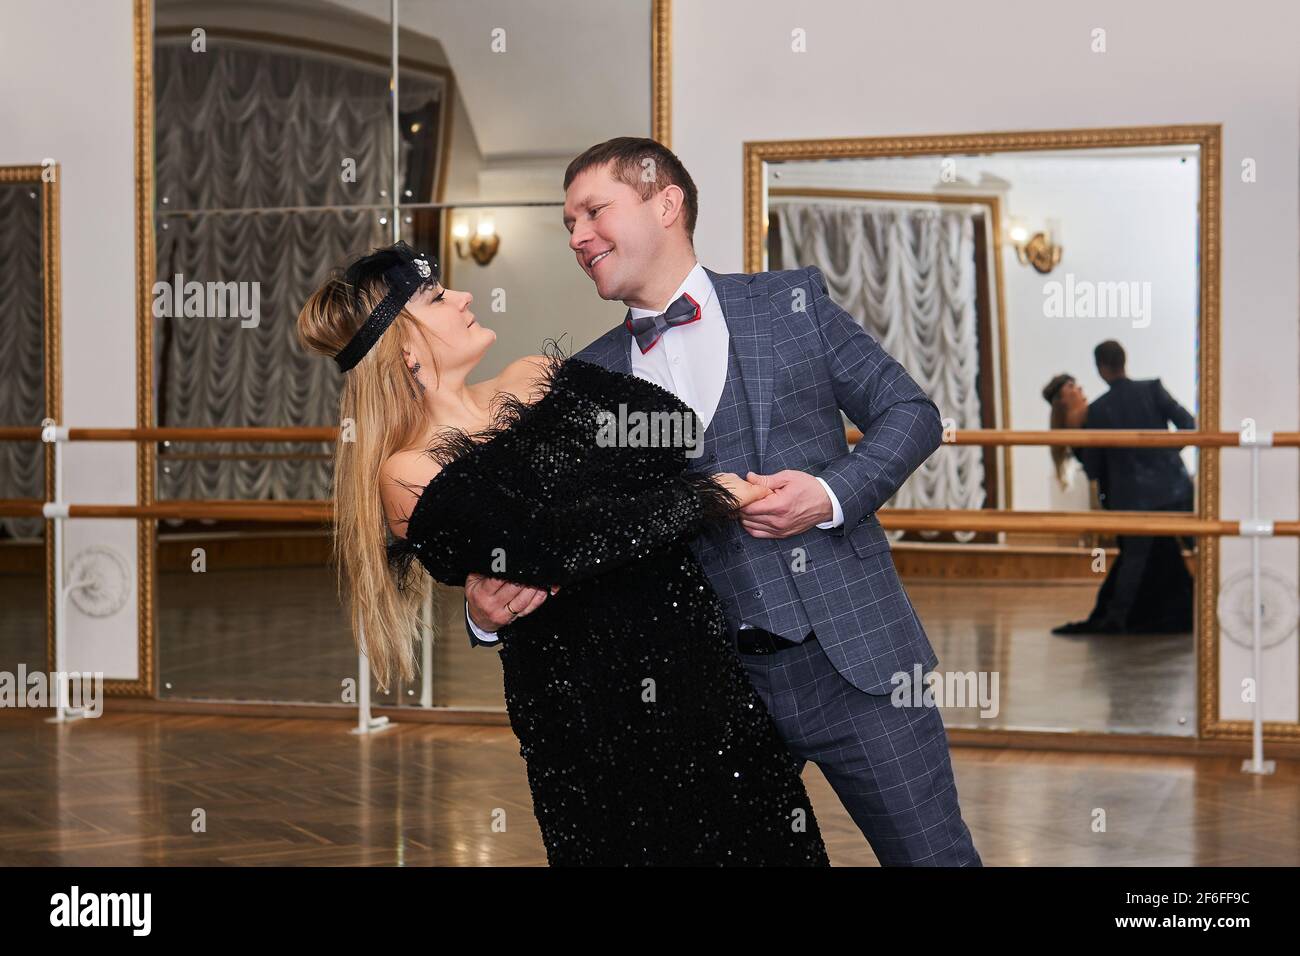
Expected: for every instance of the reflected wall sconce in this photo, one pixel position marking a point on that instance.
(1042, 250)
(482, 246)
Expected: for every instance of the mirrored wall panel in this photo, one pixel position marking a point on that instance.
(1030, 289)
(277, 158)
(29, 393)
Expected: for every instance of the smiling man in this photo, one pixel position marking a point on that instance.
(768, 361)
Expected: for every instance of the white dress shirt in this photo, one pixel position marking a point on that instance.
(691, 362)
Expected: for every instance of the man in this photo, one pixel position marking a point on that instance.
(820, 619)
(1138, 479)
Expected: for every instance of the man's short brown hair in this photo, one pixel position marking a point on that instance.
(629, 155)
(1110, 356)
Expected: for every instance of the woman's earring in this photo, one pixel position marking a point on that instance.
(415, 374)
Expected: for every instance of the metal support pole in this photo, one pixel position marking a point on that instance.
(57, 512)
(426, 647)
(366, 724)
(1257, 529)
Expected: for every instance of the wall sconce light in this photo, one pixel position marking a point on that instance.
(482, 246)
(1037, 250)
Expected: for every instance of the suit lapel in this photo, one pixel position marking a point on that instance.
(751, 338)
(612, 350)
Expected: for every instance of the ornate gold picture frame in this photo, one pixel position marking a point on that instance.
(1208, 138)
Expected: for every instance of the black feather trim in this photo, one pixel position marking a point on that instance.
(453, 444)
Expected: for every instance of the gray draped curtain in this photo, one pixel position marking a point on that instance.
(22, 350)
(242, 129)
(907, 275)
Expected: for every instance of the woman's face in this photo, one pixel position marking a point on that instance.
(452, 330)
(1076, 404)
(1072, 393)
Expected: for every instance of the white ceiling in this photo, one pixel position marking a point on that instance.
(573, 72)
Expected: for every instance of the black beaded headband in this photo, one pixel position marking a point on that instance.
(405, 272)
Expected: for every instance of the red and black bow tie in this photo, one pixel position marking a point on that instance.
(647, 329)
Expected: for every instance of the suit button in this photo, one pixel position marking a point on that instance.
(737, 547)
(758, 593)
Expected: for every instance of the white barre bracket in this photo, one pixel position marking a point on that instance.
(1255, 528)
(366, 722)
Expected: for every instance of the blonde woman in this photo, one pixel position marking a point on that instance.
(645, 742)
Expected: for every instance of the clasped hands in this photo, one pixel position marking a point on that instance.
(771, 506)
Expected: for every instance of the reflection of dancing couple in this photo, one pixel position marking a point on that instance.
(1148, 588)
(676, 640)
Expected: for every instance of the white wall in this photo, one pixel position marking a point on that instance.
(953, 67)
(67, 72)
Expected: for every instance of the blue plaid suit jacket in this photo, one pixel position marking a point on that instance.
(803, 359)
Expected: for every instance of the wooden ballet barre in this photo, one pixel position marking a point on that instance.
(1072, 437)
(305, 511)
(251, 434)
(1100, 438)
(1058, 522)
(22, 507)
(20, 433)
(314, 433)
(894, 519)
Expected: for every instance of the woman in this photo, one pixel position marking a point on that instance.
(644, 740)
(1069, 410)
(1163, 603)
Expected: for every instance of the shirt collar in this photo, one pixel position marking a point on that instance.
(696, 284)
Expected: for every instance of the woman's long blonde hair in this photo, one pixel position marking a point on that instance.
(380, 412)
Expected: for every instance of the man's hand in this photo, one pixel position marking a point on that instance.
(494, 603)
(798, 501)
(745, 492)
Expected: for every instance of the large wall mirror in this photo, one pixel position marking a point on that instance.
(274, 156)
(30, 391)
(992, 266)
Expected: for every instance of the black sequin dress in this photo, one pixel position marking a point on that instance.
(645, 742)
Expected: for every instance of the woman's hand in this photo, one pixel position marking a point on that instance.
(746, 492)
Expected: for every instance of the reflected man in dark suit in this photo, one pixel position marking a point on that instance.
(1148, 588)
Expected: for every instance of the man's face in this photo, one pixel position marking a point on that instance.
(614, 234)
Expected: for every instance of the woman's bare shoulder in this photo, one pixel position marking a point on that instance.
(402, 479)
(525, 378)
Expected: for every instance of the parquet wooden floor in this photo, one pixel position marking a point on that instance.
(124, 790)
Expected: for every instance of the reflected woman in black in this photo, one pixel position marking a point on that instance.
(1160, 600)
(644, 739)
